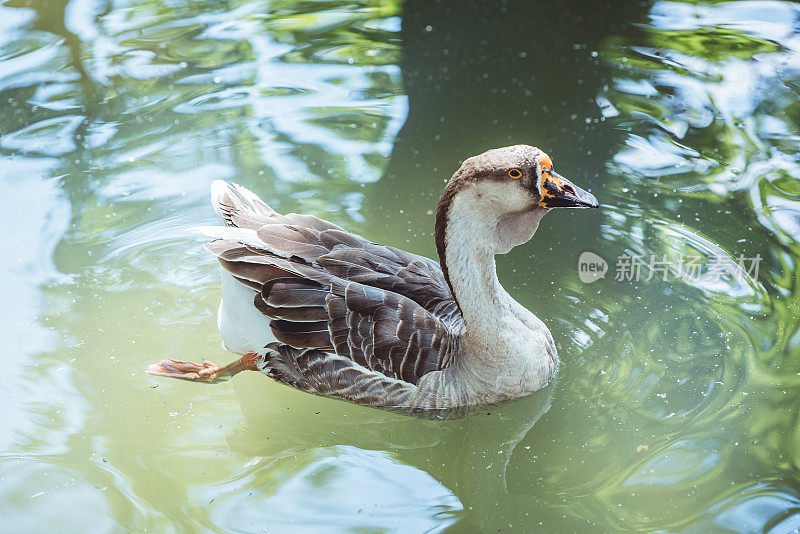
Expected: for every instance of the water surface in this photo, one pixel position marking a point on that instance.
(675, 406)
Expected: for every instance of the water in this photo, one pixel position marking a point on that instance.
(675, 406)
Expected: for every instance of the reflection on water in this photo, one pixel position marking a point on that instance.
(675, 405)
(322, 490)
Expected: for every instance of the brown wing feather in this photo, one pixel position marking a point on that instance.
(321, 373)
(338, 252)
(378, 307)
(311, 308)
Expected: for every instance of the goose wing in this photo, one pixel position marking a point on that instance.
(322, 287)
(312, 308)
(338, 252)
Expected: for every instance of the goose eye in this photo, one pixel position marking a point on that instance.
(515, 173)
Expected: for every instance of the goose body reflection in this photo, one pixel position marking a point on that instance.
(331, 313)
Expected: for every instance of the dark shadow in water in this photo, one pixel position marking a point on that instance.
(487, 74)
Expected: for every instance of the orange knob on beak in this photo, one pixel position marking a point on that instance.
(558, 192)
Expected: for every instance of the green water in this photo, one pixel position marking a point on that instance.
(675, 407)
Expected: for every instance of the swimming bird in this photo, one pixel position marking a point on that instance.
(329, 312)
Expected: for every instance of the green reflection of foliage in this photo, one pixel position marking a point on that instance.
(710, 163)
(336, 31)
(713, 44)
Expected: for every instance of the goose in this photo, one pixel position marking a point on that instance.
(331, 313)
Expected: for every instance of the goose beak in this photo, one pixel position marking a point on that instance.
(558, 192)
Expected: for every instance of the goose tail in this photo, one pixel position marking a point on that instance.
(238, 207)
(244, 329)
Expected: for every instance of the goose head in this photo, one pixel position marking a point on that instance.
(498, 198)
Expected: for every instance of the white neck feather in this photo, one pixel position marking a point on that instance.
(471, 268)
(475, 233)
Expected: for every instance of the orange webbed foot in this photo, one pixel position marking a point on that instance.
(207, 372)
